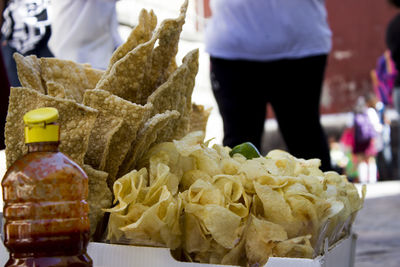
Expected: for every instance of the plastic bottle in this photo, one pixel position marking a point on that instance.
(45, 210)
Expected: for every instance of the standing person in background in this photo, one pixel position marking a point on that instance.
(4, 93)
(85, 31)
(268, 51)
(26, 30)
(2, 6)
(367, 141)
(4, 88)
(393, 43)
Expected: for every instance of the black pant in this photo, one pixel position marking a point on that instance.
(293, 88)
(41, 50)
(4, 94)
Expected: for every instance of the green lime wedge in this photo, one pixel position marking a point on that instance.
(247, 149)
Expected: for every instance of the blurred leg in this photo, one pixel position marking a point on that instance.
(240, 102)
(41, 50)
(4, 93)
(396, 98)
(363, 172)
(9, 63)
(296, 105)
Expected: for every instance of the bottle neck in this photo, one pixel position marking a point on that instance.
(43, 147)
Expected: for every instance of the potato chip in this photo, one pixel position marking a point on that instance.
(139, 35)
(203, 193)
(74, 77)
(305, 212)
(199, 118)
(298, 247)
(133, 116)
(157, 223)
(237, 255)
(129, 189)
(234, 193)
(167, 154)
(99, 197)
(276, 209)
(76, 122)
(261, 238)
(145, 138)
(195, 238)
(163, 56)
(129, 192)
(175, 94)
(190, 143)
(219, 221)
(29, 72)
(125, 77)
(190, 177)
(118, 220)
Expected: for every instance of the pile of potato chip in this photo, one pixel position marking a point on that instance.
(110, 118)
(215, 208)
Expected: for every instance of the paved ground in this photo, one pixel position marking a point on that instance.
(378, 229)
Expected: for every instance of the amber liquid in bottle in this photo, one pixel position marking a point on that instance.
(45, 212)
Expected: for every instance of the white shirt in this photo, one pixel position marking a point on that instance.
(267, 29)
(85, 31)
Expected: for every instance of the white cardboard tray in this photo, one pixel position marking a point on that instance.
(106, 255)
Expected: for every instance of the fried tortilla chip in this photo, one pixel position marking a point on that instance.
(176, 94)
(100, 139)
(100, 196)
(55, 89)
(126, 75)
(139, 35)
(74, 77)
(145, 138)
(29, 72)
(163, 56)
(199, 118)
(133, 116)
(76, 122)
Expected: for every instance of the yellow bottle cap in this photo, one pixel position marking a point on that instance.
(40, 125)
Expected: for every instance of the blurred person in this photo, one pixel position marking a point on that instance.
(339, 159)
(85, 31)
(393, 43)
(347, 143)
(382, 142)
(383, 80)
(4, 93)
(367, 127)
(267, 51)
(26, 30)
(4, 88)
